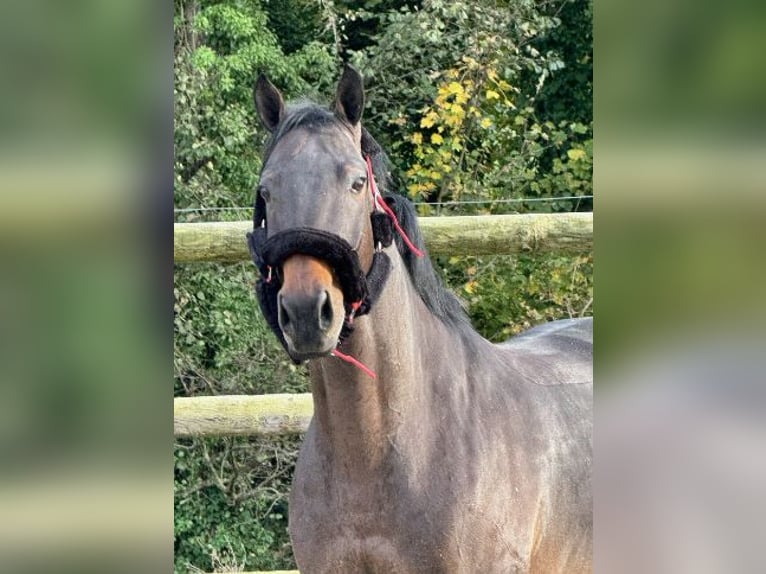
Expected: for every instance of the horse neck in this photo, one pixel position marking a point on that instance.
(356, 417)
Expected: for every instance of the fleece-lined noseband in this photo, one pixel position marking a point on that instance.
(360, 289)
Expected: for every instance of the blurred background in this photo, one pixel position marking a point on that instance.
(680, 110)
(85, 325)
(86, 201)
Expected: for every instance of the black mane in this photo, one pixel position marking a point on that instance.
(440, 301)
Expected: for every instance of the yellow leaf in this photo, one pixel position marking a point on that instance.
(452, 120)
(470, 287)
(429, 120)
(576, 154)
(492, 95)
(455, 109)
(436, 139)
(455, 88)
(417, 138)
(486, 122)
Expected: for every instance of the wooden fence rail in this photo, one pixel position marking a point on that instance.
(456, 235)
(241, 415)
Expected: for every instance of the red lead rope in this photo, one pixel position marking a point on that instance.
(351, 360)
(380, 202)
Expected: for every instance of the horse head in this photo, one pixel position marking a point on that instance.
(313, 236)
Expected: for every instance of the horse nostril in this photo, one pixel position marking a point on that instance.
(282, 313)
(325, 311)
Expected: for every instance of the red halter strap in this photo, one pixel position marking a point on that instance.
(381, 203)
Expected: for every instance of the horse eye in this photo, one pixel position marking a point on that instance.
(264, 193)
(358, 184)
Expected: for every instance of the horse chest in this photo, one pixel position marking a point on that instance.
(387, 526)
(367, 526)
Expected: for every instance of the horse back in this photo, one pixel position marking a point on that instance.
(555, 353)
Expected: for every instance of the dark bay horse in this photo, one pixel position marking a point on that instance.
(430, 449)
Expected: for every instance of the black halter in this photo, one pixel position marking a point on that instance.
(360, 289)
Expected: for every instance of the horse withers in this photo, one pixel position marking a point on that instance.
(430, 449)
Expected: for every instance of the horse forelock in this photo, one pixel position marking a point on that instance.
(306, 115)
(312, 116)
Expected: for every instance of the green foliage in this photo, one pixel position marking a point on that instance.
(222, 343)
(567, 95)
(219, 49)
(297, 22)
(473, 101)
(231, 504)
(506, 295)
(466, 123)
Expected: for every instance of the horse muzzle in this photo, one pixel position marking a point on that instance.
(310, 309)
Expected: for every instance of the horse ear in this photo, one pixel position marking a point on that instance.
(268, 103)
(349, 99)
